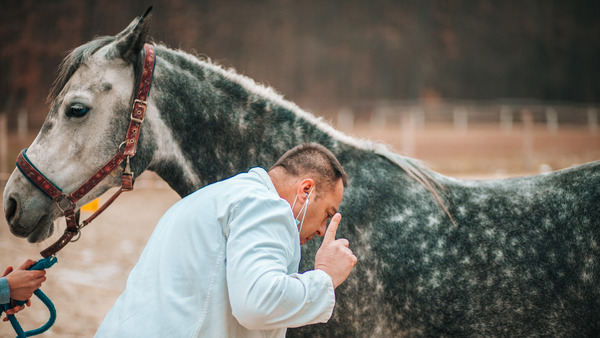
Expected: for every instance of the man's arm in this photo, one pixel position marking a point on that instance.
(259, 250)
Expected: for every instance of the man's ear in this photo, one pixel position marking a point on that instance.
(305, 187)
(131, 40)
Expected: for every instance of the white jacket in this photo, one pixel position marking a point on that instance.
(222, 262)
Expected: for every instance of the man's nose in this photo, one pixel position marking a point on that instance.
(321, 230)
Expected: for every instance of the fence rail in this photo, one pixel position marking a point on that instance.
(463, 114)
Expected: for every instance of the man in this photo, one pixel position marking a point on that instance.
(19, 285)
(223, 261)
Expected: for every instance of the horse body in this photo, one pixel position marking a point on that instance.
(518, 258)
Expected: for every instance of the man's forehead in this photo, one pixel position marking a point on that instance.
(336, 193)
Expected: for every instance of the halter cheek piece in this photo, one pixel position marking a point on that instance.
(66, 203)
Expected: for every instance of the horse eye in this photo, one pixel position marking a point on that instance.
(78, 110)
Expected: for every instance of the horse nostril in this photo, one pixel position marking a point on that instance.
(10, 210)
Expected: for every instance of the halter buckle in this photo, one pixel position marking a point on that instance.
(60, 203)
(136, 120)
(142, 102)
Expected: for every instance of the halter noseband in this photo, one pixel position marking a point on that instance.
(66, 203)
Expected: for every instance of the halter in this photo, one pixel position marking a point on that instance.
(66, 203)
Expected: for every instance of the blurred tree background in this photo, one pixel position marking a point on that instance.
(327, 54)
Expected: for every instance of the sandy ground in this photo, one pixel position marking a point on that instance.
(91, 273)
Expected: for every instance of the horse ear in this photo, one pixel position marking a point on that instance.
(131, 40)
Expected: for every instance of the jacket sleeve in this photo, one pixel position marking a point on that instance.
(260, 248)
(4, 291)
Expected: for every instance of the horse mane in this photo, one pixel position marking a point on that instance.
(80, 56)
(415, 169)
(73, 61)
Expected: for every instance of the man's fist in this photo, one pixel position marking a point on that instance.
(334, 257)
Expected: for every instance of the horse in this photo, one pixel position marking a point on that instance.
(437, 256)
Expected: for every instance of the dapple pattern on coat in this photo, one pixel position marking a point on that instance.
(523, 260)
(520, 259)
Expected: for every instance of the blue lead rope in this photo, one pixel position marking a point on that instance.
(42, 264)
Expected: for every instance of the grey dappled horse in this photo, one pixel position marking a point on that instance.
(519, 257)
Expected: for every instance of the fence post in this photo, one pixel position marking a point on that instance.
(417, 117)
(552, 120)
(506, 119)
(408, 134)
(527, 139)
(592, 120)
(378, 119)
(22, 123)
(3, 147)
(345, 119)
(461, 117)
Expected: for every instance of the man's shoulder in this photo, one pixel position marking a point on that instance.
(252, 184)
(255, 179)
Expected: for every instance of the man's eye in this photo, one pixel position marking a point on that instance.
(78, 110)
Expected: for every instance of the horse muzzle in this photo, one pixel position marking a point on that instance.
(29, 213)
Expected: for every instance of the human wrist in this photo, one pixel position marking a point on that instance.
(329, 275)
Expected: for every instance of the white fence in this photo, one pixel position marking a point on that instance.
(463, 114)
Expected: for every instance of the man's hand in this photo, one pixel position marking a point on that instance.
(334, 257)
(22, 283)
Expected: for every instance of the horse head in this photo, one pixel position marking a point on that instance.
(90, 112)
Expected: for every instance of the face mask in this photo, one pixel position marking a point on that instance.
(305, 207)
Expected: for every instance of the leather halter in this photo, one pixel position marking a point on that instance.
(66, 203)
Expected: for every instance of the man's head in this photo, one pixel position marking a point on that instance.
(310, 172)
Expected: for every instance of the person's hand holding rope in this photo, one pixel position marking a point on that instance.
(22, 284)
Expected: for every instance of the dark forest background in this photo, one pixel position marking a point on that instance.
(324, 55)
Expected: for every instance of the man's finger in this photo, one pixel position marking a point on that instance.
(332, 228)
(344, 242)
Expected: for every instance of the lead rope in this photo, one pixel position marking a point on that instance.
(42, 264)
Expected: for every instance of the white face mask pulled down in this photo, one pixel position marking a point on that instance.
(304, 207)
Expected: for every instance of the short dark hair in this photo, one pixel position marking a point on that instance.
(313, 158)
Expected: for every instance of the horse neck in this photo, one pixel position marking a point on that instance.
(222, 123)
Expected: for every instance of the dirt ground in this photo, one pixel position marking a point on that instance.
(91, 273)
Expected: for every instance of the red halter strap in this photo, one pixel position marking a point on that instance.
(66, 203)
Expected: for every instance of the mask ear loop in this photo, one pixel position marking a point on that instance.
(303, 216)
(305, 207)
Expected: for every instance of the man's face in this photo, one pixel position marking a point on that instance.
(321, 210)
